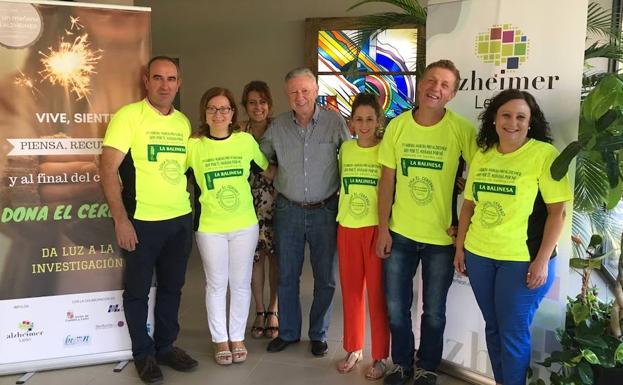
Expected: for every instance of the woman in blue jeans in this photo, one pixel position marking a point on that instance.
(511, 219)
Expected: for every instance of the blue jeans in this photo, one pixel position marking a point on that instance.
(293, 226)
(437, 273)
(508, 307)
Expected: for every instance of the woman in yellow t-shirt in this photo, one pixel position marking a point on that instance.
(226, 223)
(511, 219)
(357, 231)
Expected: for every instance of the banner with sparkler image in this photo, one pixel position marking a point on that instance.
(65, 68)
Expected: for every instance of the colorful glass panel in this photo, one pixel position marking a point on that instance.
(386, 65)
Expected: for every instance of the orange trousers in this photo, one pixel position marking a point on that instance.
(360, 267)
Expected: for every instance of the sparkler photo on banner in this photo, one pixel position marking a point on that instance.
(65, 70)
(56, 102)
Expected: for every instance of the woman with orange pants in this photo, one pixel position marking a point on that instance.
(359, 265)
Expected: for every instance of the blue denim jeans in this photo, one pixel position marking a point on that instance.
(437, 273)
(294, 226)
(508, 307)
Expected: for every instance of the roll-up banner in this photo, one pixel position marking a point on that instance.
(532, 45)
(65, 68)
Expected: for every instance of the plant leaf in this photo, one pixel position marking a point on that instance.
(618, 354)
(586, 373)
(591, 185)
(578, 263)
(560, 165)
(590, 356)
(594, 342)
(580, 312)
(596, 240)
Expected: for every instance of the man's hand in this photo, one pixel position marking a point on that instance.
(383, 244)
(270, 172)
(126, 235)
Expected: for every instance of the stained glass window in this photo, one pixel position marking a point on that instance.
(386, 67)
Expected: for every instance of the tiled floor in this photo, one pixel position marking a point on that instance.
(295, 365)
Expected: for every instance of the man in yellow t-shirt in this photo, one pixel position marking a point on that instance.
(145, 150)
(420, 155)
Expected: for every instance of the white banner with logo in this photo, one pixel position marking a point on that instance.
(65, 68)
(64, 330)
(536, 46)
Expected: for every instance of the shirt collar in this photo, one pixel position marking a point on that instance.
(315, 116)
(171, 111)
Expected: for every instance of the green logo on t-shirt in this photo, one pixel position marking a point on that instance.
(347, 181)
(492, 214)
(154, 149)
(211, 175)
(359, 205)
(492, 188)
(405, 163)
(171, 171)
(421, 189)
(228, 198)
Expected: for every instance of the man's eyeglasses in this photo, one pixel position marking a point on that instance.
(221, 110)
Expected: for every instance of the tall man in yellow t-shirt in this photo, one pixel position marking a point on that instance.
(145, 148)
(420, 155)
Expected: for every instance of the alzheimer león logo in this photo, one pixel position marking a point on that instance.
(504, 46)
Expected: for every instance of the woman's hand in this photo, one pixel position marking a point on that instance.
(537, 273)
(459, 262)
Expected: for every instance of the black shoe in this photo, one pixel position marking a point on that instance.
(148, 370)
(424, 377)
(319, 348)
(278, 344)
(178, 359)
(398, 376)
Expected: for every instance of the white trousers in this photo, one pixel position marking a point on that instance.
(228, 258)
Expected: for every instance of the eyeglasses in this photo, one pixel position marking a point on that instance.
(221, 110)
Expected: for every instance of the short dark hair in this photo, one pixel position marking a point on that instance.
(204, 129)
(371, 100)
(539, 127)
(445, 64)
(163, 58)
(261, 88)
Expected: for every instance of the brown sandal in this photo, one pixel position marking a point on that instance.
(238, 352)
(377, 370)
(271, 331)
(349, 362)
(258, 331)
(222, 357)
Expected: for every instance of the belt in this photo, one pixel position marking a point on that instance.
(313, 205)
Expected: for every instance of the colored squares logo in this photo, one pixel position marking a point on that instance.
(503, 46)
(26, 326)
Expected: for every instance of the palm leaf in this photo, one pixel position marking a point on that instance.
(412, 7)
(599, 21)
(370, 25)
(604, 50)
(591, 183)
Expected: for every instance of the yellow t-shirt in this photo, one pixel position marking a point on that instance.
(426, 160)
(221, 168)
(504, 188)
(359, 176)
(154, 184)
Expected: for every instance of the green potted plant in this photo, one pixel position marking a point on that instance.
(592, 340)
(589, 353)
